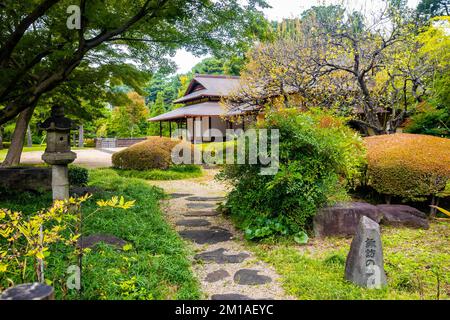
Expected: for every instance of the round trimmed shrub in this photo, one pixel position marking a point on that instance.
(154, 153)
(410, 166)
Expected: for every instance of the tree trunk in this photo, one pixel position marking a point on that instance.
(29, 137)
(81, 136)
(1, 137)
(18, 137)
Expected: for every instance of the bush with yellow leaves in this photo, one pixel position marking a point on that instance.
(29, 239)
(410, 166)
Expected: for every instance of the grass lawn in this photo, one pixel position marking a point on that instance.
(415, 260)
(178, 172)
(156, 266)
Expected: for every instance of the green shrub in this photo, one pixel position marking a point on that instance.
(154, 153)
(410, 166)
(78, 176)
(316, 151)
(430, 120)
(89, 143)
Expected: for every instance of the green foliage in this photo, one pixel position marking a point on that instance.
(154, 153)
(433, 121)
(317, 153)
(78, 176)
(177, 172)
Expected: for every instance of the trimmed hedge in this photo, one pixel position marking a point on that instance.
(78, 176)
(410, 166)
(154, 153)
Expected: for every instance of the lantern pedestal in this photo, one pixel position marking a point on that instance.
(58, 153)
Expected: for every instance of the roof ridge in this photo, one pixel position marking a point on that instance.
(221, 76)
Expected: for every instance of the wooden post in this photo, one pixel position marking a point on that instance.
(29, 138)
(160, 129)
(81, 136)
(170, 129)
(1, 137)
(29, 291)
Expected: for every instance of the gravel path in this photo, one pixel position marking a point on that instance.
(225, 269)
(90, 158)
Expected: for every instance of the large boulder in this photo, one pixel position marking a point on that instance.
(343, 218)
(403, 216)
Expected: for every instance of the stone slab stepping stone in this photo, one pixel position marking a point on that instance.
(210, 236)
(93, 240)
(179, 195)
(205, 198)
(193, 223)
(200, 214)
(200, 205)
(217, 275)
(250, 277)
(218, 256)
(230, 296)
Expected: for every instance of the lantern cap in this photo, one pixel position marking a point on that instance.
(57, 120)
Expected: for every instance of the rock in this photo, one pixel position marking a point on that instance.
(29, 291)
(218, 256)
(93, 240)
(210, 236)
(364, 266)
(200, 214)
(342, 219)
(230, 296)
(401, 215)
(250, 277)
(200, 205)
(205, 198)
(217, 275)
(193, 223)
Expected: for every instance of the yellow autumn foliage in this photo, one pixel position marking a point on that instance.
(410, 166)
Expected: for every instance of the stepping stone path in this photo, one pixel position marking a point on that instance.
(217, 275)
(225, 269)
(200, 205)
(193, 223)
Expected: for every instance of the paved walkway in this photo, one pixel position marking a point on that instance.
(90, 158)
(225, 269)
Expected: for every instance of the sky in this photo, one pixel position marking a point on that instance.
(285, 9)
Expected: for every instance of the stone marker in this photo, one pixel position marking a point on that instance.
(29, 291)
(364, 265)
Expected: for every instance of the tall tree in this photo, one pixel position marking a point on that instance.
(38, 52)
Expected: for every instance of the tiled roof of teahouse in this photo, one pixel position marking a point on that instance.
(209, 108)
(215, 85)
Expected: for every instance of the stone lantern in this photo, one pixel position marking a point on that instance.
(58, 153)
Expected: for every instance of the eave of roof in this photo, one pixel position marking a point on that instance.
(196, 110)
